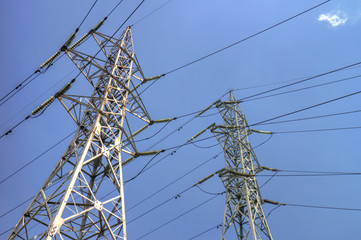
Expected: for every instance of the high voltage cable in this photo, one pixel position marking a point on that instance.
(145, 168)
(244, 39)
(314, 117)
(278, 82)
(38, 71)
(238, 42)
(36, 158)
(173, 182)
(162, 203)
(310, 175)
(176, 196)
(264, 142)
(11, 118)
(304, 80)
(208, 230)
(155, 10)
(27, 117)
(307, 108)
(317, 130)
(125, 21)
(179, 216)
(31, 161)
(19, 205)
(91, 8)
(300, 89)
(312, 206)
(322, 207)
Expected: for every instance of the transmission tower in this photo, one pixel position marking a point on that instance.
(83, 197)
(243, 199)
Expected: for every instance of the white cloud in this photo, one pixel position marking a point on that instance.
(334, 20)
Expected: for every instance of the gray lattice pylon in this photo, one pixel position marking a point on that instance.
(83, 198)
(243, 207)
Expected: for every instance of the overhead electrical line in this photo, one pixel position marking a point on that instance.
(179, 216)
(307, 108)
(152, 12)
(174, 181)
(208, 230)
(36, 158)
(301, 89)
(313, 117)
(304, 80)
(238, 42)
(91, 8)
(317, 130)
(41, 69)
(312, 206)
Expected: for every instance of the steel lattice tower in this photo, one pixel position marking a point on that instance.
(83, 197)
(243, 199)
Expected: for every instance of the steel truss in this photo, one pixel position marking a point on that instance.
(83, 198)
(243, 199)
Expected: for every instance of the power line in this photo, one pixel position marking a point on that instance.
(173, 152)
(162, 203)
(19, 205)
(176, 180)
(91, 8)
(268, 180)
(322, 207)
(264, 142)
(39, 71)
(304, 80)
(310, 171)
(208, 230)
(36, 158)
(147, 138)
(152, 12)
(244, 39)
(301, 89)
(307, 108)
(310, 175)
(179, 216)
(27, 117)
(41, 95)
(6, 231)
(176, 197)
(125, 21)
(277, 82)
(238, 42)
(314, 117)
(317, 130)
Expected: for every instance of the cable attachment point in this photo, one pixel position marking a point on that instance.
(153, 78)
(273, 202)
(50, 100)
(270, 169)
(262, 132)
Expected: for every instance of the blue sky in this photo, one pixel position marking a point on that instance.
(324, 39)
